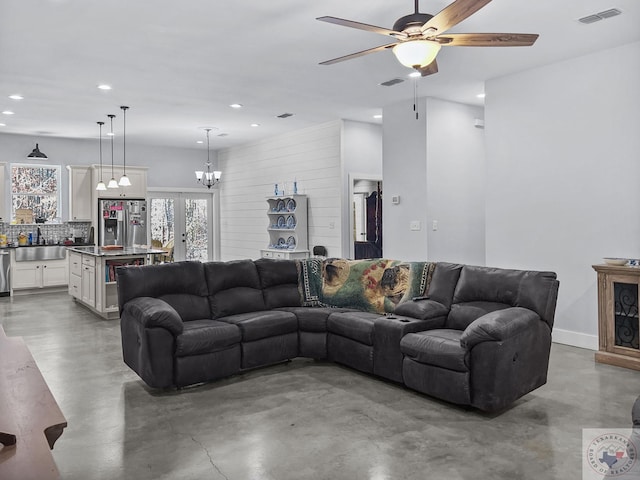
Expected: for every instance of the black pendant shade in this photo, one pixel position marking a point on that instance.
(36, 153)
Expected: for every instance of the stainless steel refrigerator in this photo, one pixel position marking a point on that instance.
(122, 222)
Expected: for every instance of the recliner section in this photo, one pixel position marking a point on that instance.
(481, 338)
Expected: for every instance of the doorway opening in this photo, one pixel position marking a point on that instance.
(367, 217)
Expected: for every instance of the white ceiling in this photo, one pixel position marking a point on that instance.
(179, 64)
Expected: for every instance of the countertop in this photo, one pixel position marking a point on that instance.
(51, 245)
(99, 252)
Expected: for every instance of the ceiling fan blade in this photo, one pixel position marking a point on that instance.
(451, 16)
(363, 26)
(358, 54)
(429, 69)
(487, 39)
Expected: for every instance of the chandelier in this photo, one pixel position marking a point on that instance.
(210, 177)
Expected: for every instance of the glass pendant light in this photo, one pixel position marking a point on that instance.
(112, 183)
(101, 186)
(124, 180)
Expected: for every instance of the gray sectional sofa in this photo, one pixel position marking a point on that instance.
(479, 336)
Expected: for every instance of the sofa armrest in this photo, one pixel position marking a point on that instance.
(497, 326)
(152, 312)
(421, 309)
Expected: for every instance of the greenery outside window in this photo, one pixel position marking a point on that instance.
(36, 188)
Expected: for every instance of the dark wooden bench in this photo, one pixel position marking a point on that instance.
(30, 419)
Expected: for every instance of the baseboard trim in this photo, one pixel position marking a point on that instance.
(575, 339)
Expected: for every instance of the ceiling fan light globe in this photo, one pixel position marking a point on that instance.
(416, 53)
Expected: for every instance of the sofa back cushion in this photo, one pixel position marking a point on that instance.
(233, 287)
(279, 282)
(444, 281)
(487, 289)
(181, 284)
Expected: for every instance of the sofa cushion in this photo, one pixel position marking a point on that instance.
(314, 319)
(264, 324)
(354, 325)
(181, 284)
(233, 288)
(205, 336)
(462, 314)
(439, 347)
(279, 282)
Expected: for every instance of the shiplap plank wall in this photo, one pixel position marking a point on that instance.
(312, 156)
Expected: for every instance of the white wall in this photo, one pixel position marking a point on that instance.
(563, 153)
(404, 168)
(456, 178)
(437, 165)
(312, 156)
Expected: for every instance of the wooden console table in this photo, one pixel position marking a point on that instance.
(30, 419)
(618, 315)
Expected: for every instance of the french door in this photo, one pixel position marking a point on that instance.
(182, 225)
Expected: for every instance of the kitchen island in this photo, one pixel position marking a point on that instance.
(92, 275)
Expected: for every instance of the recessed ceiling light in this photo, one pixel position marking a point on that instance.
(377, 116)
(199, 141)
(255, 124)
(16, 97)
(414, 74)
(7, 112)
(3, 124)
(104, 86)
(111, 134)
(480, 95)
(236, 105)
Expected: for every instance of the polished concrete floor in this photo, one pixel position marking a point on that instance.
(303, 419)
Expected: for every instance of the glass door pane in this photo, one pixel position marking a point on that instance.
(197, 226)
(626, 325)
(162, 226)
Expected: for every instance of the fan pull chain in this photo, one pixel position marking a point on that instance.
(415, 96)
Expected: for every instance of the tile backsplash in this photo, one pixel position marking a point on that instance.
(52, 233)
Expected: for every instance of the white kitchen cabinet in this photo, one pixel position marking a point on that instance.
(88, 281)
(80, 193)
(39, 274)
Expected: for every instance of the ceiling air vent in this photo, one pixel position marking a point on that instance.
(285, 115)
(596, 17)
(392, 82)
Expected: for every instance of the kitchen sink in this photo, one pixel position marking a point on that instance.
(51, 252)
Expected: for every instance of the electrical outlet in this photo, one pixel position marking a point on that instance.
(414, 225)
(434, 225)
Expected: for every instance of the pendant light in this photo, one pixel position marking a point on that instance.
(101, 186)
(112, 183)
(36, 153)
(124, 180)
(208, 178)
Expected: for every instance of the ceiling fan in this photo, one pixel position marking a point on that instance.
(419, 36)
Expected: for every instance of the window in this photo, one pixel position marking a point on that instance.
(35, 192)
